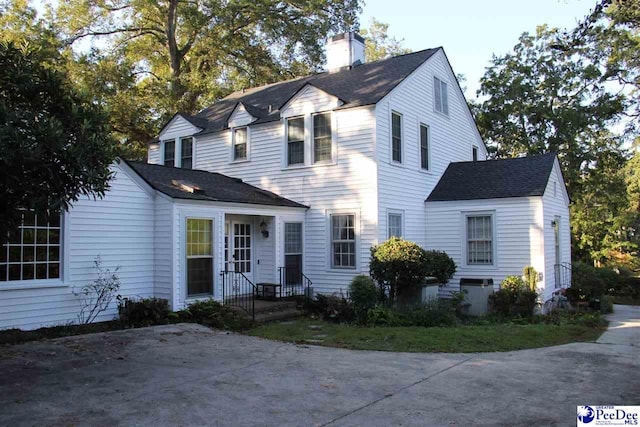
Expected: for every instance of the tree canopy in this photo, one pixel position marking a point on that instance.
(575, 93)
(149, 59)
(55, 144)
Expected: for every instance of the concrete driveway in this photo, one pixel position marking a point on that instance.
(190, 375)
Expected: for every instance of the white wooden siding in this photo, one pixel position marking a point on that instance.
(452, 137)
(350, 184)
(555, 205)
(265, 252)
(162, 232)
(153, 153)
(240, 117)
(309, 100)
(119, 228)
(518, 236)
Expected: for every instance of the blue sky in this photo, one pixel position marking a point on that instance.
(471, 30)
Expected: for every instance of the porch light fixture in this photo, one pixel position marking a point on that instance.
(264, 229)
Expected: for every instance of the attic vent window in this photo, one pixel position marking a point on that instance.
(187, 186)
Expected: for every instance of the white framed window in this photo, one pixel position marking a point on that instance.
(441, 96)
(295, 141)
(186, 153)
(169, 153)
(343, 240)
(480, 239)
(425, 147)
(322, 137)
(396, 137)
(395, 224)
(474, 153)
(199, 254)
(240, 143)
(34, 250)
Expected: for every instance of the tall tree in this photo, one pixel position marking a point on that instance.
(180, 55)
(569, 92)
(379, 44)
(539, 99)
(55, 144)
(611, 35)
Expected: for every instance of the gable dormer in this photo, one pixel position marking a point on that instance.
(175, 144)
(240, 117)
(309, 100)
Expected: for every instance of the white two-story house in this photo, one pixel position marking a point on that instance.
(290, 184)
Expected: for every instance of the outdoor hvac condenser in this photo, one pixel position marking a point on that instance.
(476, 295)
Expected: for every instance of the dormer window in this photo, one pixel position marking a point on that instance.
(186, 158)
(240, 144)
(295, 141)
(169, 154)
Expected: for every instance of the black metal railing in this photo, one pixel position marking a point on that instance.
(562, 274)
(238, 291)
(293, 282)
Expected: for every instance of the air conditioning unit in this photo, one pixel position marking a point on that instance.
(476, 295)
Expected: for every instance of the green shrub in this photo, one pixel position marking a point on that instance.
(213, 314)
(433, 313)
(590, 283)
(383, 316)
(364, 296)
(398, 264)
(440, 265)
(606, 304)
(331, 308)
(514, 299)
(137, 313)
(513, 284)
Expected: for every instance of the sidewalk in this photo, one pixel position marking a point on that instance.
(624, 327)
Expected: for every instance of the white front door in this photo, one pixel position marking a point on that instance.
(241, 248)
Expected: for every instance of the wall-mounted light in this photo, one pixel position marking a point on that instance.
(553, 223)
(264, 229)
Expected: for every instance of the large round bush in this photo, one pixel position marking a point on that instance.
(398, 264)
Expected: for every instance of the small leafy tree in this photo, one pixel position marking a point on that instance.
(95, 297)
(440, 265)
(398, 264)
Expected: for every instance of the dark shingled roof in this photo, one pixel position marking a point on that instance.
(213, 186)
(494, 179)
(365, 84)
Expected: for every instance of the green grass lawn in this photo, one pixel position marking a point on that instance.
(459, 339)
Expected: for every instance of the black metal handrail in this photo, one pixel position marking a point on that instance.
(238, 291)
(562, 273)
(293, 282)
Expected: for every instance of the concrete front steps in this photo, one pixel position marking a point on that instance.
(272, 311)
